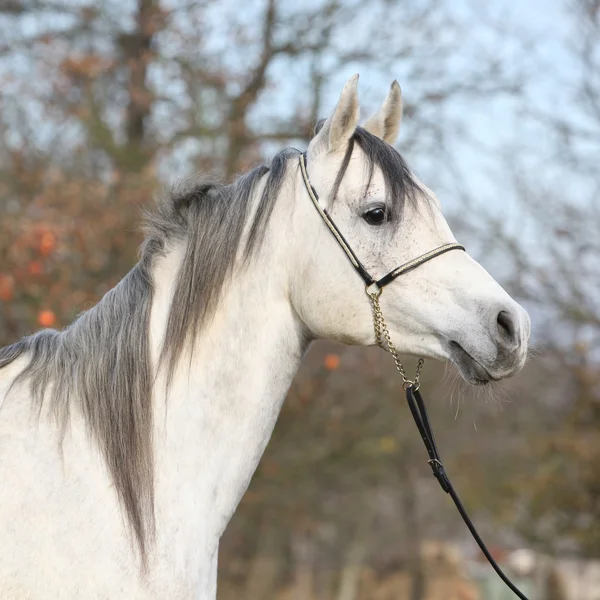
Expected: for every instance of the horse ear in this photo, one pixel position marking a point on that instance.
(385, 123)
(340, 126)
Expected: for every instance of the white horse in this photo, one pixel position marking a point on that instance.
(128, 439)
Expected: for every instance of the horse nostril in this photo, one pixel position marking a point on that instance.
(506, 326)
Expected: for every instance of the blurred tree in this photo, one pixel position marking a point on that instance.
(209, 83)
(553, 253)
(101, 103)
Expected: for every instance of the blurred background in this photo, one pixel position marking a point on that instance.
(104, 104)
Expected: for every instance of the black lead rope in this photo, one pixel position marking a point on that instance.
(419, 413)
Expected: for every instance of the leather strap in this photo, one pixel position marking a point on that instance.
(419, 413)
(337, 234)
(416, 262)
(345, 246)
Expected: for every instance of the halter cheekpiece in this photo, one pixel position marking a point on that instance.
(374, 288)
(358, 266)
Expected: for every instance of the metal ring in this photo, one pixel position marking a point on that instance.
(408, 383)
(373, 294)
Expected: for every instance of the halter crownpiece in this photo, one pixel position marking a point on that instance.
(374, 288)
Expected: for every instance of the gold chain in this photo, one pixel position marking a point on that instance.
(384, 341)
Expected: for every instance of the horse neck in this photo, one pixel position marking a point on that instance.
(212, 426)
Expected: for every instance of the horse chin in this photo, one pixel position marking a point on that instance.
(472, 370)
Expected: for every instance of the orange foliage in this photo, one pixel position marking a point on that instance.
(332, 361)
(36, 267)
(6, 287)
(46, 318)
(70, 239)
(47, 243)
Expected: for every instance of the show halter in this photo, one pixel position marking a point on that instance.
(374, 288)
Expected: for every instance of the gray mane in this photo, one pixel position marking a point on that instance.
(101, 361)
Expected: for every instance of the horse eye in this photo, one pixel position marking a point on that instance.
(376, 216)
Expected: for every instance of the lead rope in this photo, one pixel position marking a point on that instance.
(419, 413)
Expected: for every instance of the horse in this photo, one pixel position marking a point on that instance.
(128, 439)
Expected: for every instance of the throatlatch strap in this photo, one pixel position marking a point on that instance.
(419, 413)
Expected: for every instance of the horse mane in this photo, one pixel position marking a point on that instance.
(101, 362)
